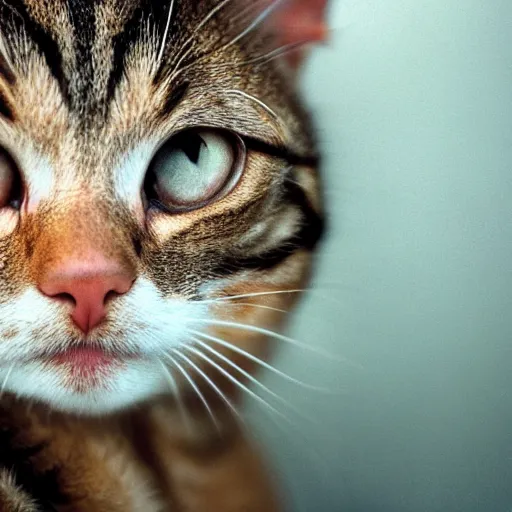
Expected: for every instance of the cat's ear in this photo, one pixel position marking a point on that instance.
(298, 21)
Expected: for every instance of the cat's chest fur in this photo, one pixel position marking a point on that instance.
(142, 462)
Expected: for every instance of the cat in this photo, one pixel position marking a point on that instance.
(160, 209)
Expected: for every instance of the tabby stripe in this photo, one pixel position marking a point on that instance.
(121, 43)
(83, 20)
(124, 41)
(309, 235)
(313, 224)
(6, 72)
(173, 98)
(281, 152)
(6, 110)
(14, 16)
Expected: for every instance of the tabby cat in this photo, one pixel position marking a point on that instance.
(159, 211)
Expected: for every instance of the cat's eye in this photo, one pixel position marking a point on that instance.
(10, 181)
(194, 168)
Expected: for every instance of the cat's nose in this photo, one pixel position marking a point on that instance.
(89, 288)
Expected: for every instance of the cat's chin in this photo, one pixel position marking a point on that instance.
(121, 387)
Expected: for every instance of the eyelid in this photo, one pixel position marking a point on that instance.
(282, 152)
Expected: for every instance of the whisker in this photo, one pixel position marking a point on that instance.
(166, 33)
(258, 102)
(177, 395)
(312, 290)
(214, 387)
(252, 379)
(275, 53)
(256, 294)
(244, 13)
(257, 21)
(190, 39)
(264, 58)
(194, 387)
(275, 335)
(260, 362)
(260, 306)
(237, 383)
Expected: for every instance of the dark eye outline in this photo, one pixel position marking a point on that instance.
(149, 193)
(16, 193)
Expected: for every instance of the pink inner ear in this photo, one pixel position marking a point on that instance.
(301, 20)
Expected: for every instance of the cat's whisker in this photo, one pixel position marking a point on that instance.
(256, 294)
(237, 383)
(310, 291)
(247, 11)
(257, 21)
(176, 69)
(281, 51)
(264, 58)
(259, 102)
(260, 362)
(177, 395)
(214, 386)
(7, 375)
(277, 336)
(252, 379)
(260, 18)
(259, 306)
(166, 33)
(194, 387)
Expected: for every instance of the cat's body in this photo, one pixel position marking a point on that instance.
(143, 461)
(159, 206)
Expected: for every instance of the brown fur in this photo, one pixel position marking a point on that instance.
(76, 120)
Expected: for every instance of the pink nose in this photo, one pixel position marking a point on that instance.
(89, 290)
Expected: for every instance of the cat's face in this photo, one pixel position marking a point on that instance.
(155, 166)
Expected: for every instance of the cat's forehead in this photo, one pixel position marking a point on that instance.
(116, 71)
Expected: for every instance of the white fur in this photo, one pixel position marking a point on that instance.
(129, 385)
(39, 175)
(149, 323)
(129, 174)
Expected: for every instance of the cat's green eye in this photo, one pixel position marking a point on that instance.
(194, 168)
(10, 181)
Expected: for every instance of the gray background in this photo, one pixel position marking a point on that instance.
(413, 103)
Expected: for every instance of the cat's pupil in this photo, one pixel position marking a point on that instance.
(11, 182)
(191, 145)
(16, 193)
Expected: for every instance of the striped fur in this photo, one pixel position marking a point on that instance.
(89, 89)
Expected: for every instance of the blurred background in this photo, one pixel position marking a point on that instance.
(413, 105)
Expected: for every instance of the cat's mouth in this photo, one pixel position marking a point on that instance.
(86, 377)
(90, 358)
(89, 362)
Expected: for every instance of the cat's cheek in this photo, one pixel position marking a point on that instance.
(163, 226)
(8, 221)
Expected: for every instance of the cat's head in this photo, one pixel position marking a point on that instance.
(158, 192)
